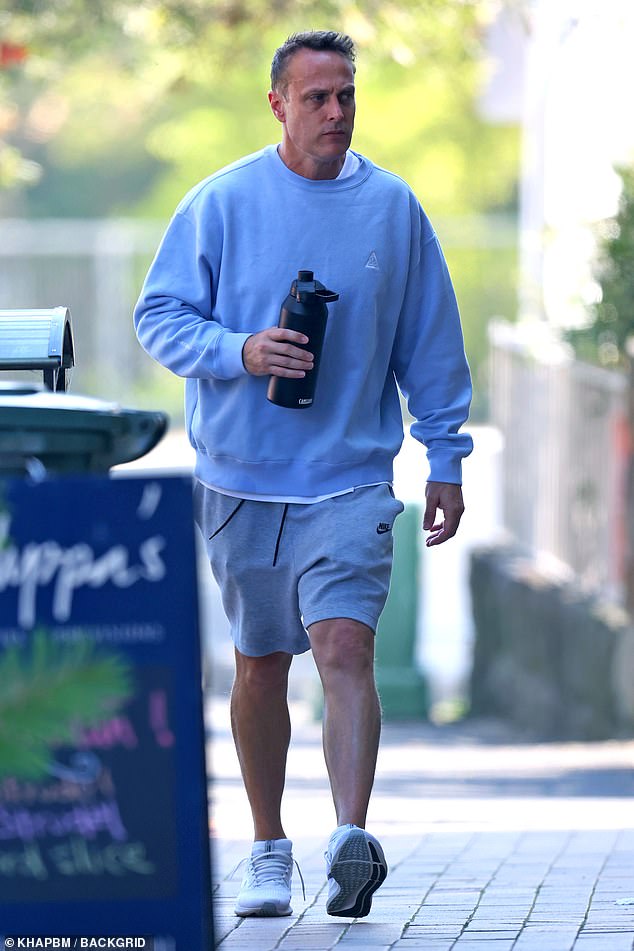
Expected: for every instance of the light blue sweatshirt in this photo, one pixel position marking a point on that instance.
(221, 273)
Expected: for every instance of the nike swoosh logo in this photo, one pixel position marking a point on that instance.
(382, 528)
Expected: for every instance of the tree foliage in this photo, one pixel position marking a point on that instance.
(611, 319)
(147, 98)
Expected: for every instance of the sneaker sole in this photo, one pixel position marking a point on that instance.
(267, 909)
(357, 875)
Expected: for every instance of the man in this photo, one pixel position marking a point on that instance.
(296, 505)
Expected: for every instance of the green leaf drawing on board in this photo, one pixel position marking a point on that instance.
(48, 692)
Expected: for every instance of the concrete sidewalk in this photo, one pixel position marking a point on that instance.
(494, 844)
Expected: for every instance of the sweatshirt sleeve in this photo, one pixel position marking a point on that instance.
(429, 360)
(173, 316)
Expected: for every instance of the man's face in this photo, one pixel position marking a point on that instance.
(316, 109)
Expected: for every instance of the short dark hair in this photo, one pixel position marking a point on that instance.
(327, 40)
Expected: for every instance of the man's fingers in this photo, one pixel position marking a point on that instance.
(286, 364)
(436, 538)
(448, 498)
(287, 372)
(291, 355)
(283, 333)
(429, 516)
(275, 352)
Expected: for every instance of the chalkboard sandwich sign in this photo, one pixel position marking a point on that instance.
(103, 807)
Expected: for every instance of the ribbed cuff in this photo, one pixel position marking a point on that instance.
(230, 363)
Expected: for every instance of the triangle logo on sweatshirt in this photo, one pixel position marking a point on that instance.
(373, 261)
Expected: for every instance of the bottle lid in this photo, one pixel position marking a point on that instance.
(306, 287)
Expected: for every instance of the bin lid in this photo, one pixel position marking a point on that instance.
(69, 433)
(38, 339)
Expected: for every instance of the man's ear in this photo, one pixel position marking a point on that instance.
(276, 103)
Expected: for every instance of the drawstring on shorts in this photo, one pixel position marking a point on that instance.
(227, 520)
(279, 534)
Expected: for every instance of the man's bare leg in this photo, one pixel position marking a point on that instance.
(344, 654)
(261, 728)
(355, 863)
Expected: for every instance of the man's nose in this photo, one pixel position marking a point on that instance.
(334, 109)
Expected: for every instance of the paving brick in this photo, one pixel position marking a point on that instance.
(604, 943)
(483, 943)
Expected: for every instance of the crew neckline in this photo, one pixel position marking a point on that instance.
(325, 184)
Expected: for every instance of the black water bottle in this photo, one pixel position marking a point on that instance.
(303, 310)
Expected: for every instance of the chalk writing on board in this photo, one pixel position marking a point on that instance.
(82, 726)
(65, 569)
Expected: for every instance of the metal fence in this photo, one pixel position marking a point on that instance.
(96, 269)
(564, 427)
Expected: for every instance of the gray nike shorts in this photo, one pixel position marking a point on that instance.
(282, 567)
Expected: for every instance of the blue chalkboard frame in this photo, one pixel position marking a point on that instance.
(122, 575)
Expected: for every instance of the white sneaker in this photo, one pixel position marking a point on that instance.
(266, 887)
(356, 866)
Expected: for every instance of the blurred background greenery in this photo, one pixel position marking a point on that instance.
(115, 109)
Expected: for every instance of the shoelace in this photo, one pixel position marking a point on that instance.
(276, 867)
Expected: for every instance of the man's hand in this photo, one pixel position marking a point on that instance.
(448, 498)
(272, 352)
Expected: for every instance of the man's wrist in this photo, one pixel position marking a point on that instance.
(244, 363)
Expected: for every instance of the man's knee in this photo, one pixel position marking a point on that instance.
(342, 645)
(267, 672)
